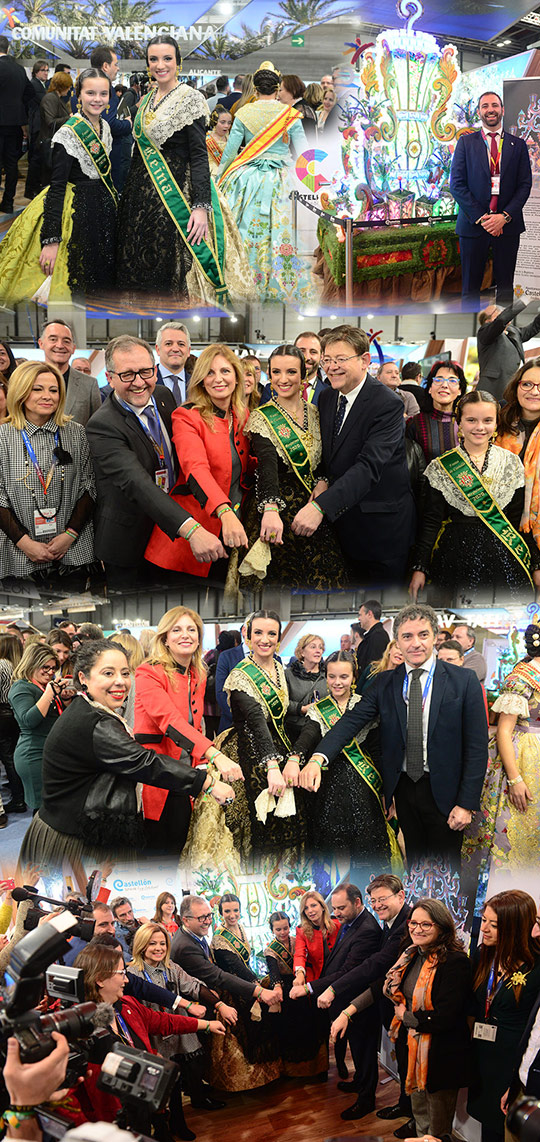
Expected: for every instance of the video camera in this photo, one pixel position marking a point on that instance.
(523, 1119)
(81, 909)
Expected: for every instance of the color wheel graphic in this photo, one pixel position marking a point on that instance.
(308, 169)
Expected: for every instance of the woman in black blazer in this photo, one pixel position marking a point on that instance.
(91, 769)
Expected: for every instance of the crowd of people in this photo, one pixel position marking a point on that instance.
(238, 755)
(326, 476)
(234, 1018)
(141, 191)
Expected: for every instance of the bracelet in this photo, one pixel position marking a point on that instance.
(188, 1005)
(191, 530)
(330, 988)
(257, 994)
(224, 508)
(215, 754)
(306, 989)
(313, 761)
(514, 781)
(270, 507)
(218, 1003)
(69, 531)
(210, 787)
(15, 1115)
(207, 1028)
(349, 1017)
(315, 505)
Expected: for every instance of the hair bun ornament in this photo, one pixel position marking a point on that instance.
(269, 66)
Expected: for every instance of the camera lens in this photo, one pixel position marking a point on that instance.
(523, 1120)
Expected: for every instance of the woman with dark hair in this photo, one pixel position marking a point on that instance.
(286, 442)
(267, 817)
(519, 432)
(47, 489)
(10, 656)
(173, 228)
(506, 985)
(470, 533)
(91, 770)
(430, 987)
(217, 135)
(292, 91)
(166, 913)
(258, 183)
(215, 462)
(73, 221)
(436, 431)
(352, 779)
(507, 828)
(35, 696)
(8, 363)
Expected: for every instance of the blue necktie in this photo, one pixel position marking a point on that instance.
(154, 429)
(176, 390)
(340, 415)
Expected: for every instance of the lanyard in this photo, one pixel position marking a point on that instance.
(57, 701)
(124, 1029)
(426, 689)
(491, 992)
(494, 163)
(44, 480)
(149, 977)
(159, 448)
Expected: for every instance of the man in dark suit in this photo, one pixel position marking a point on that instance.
(225, 663)
(130, 441)
(40, 72)
(16, 96)
(433, 738)
(315, 383)
(500, 345)
(106, 60)
(359, 937)
(82, 391)
(491, 181)
(387, 897)
(191, 950)
(368, 497)
(173, 347)
(375, 640)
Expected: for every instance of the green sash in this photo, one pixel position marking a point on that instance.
(282, 953)
(463, 475)
(268, 692)
(363, 765)
(291, 441)
(236, 944)
(211, 261)
(94, 149)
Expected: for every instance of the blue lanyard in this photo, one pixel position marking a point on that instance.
(149, 977)
(162, 452)
(425, 691)
(44, 481)
(124, 1028)
(490, 992)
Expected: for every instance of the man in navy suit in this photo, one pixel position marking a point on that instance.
(491, 181)
(104, 58)
(173, 346)
(367, 494)
(226, 662)
(433, 738)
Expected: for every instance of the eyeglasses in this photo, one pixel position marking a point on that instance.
(326, 362)
(205, 916)
(48, 669)
(382, 899)
(120, 971)
(445, 381)
(129, 375)
(528, 386)
(423, 926)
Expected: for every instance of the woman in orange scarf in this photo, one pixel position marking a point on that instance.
(519, 432)
(431, 989)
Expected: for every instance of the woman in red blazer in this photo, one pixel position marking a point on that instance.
(214, 459)
(169, 698)
(316, 935)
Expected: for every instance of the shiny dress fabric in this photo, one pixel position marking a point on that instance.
(247, 1056)
(82, 212)
(302, 1042)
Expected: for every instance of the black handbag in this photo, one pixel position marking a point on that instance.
(107, 819)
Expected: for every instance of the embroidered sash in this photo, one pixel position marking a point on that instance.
(292, 443)
(282, 953)
(270, 696)
(470, 484)
(211, 261)
(213, 149)
(236, 944)
(94, 149)
(262, 140)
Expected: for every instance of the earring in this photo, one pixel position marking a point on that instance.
(107, 108)
(148, 72)
(277, 647)
(353, 686)
(180, 66)
(79, 106)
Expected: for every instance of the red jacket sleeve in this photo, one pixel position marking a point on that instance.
(155, 700)
(138, 1016)
(300, 950)
(190, 441)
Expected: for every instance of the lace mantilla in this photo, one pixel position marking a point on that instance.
(177, 110)
(237, 680)
(311, 439)
(504, 475)
(255, 116)
(315, 714)
(508, 703)
(72, 144)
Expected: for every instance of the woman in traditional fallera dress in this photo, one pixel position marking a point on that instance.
(470, 535)
(176, 235)
(352, 780)
(216, 139)
(286, 441)
(258, 184)
(507, 828)
(63, 245)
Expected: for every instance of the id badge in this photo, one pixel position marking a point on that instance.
(45, 523)
(485, 1031)
(162, 479)
(496, 184)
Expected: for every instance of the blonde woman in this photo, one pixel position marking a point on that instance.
(315, 937)
(169, 696)
(328, 104)
(35, 698)
(306, 681)
(391, 658)
(47, 490)
(252, 392)
(214, 459)
(134, 655)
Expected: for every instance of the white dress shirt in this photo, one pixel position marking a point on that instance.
(425, 668)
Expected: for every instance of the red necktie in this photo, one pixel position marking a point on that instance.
(494, 169)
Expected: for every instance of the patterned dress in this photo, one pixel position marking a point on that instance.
(247, 1056)
(499, 833)
(259, 197)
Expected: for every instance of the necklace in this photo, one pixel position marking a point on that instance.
(485, 461)
(274, 679)
(154, 102)
(97, 130)
(290, 416)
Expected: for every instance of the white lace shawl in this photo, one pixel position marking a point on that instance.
(504, 475)
(72, 144)
(259, 424)
(238, 680)
(174, 112)
(316, 716)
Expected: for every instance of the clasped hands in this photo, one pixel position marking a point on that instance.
(493, 223)
(309, 518)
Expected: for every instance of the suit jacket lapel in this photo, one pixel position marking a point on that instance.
(439, 686)
(398, 679)
(352, 417)
(134, 426)
(483, 155)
